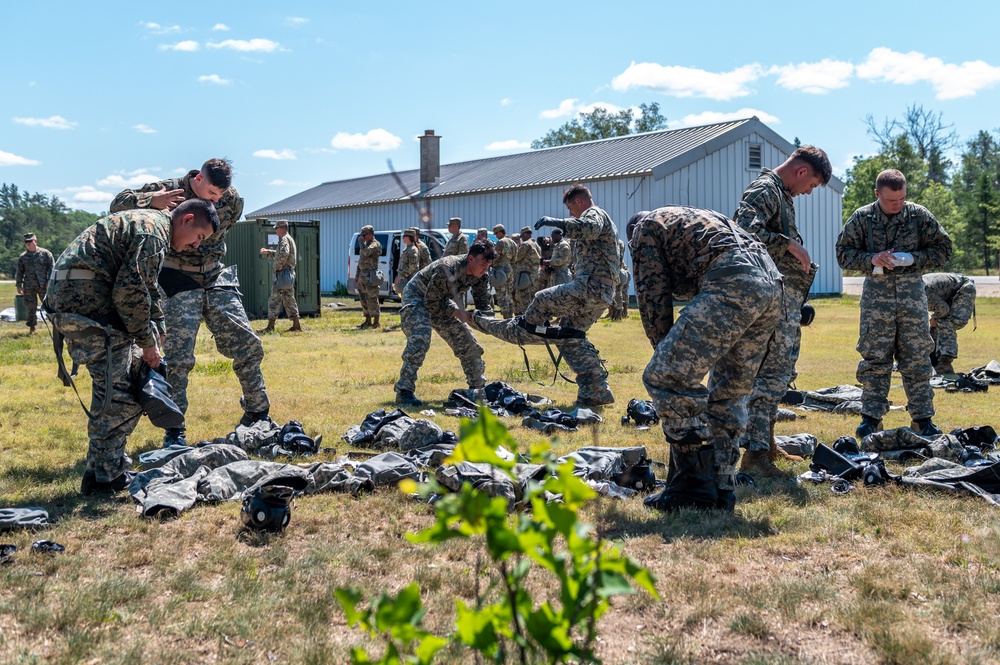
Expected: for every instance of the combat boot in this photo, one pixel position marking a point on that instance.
(251, 417)
(759, 463)
(295, 325)
(869, 425)
(692, 481)
(601, 397)
(31, 330)
(366, 324)
(174, 436)
(375, 322)
(775, 453)
(943, 366)
(90, 486)
(925, 428)
(407, 397)
(269, 328)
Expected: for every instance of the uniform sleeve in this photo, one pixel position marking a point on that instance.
(587, 226)
(19, 272)
(50, 263)
(133, 199)
(753, 214)
(134, 293)
(481, 293)
(463, 243)
(652, 284)
(935, 244)
(852, 250)
(936, 305)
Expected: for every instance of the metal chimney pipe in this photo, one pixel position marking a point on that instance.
(430, 160)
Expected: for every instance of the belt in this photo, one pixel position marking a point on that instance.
(73, 273)
(726, 271)
(602, 280)
(174, 265)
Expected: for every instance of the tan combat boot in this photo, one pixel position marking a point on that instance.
(775, 453)
(295, 325)
(269, 328)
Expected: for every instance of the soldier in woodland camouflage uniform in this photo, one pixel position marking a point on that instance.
(423, 252)
(196, 287)
(285, 258)
(732, 285)
(429, 303)
(525, 265)
(578, 304)
(104, 300)
(457, 245)
(365, 276)
(767, 212)
(31, 276)
(409, 260)
(893, 301)
(951, 298)
(503, 273)
(558, 264)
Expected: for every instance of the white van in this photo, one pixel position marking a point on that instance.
(392, 242)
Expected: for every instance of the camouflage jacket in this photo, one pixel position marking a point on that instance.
(424, 254)
(673, 248)
(913, 229)
(409, 262)
(213, 248)
(368, 257)
(767, 212)
(505, 249)
(33, 269)
(457, 245)
(285, 256)
(941, 289)
(438, 285)
(560, 255)
(596, 244)
(125, 250)
(528, 256)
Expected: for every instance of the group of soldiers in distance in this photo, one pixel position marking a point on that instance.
(143, 279)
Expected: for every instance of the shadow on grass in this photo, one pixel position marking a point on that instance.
(682, 525)
(36, 483)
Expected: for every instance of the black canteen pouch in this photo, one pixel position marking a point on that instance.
(174, 281)
(153, 394)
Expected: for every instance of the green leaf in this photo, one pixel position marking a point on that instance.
(479, 440)
(428, 647)
(404, 608)
(548, 629)
(614, 584)
(574, 491)
(476, 629)
(349, 599)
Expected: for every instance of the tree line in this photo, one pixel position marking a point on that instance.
(47, 217)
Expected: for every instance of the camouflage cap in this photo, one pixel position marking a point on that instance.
(454, 220)
(525, 229)
(28, 237)
(281, 223)
(412, 233)
(365, 230)
(499, 227)
(482, 232)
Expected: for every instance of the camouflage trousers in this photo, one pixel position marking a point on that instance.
(108, 434)
(223, 313)
(417, 324)
(502, 284)
(282, 297)
(621, 295)
(31, 298)
(777, 370)
(894, 326)
(368, 297)
(578, 305)
(945, 332)
(522, 297)
(722, 332)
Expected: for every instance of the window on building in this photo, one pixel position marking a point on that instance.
(754, 160)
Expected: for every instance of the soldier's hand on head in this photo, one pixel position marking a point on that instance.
(151, 356)
(167, 199)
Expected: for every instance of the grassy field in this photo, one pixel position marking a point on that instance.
(796, 575)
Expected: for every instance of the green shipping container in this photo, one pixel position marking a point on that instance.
(243, 244)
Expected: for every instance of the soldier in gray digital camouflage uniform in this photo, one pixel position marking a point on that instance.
(285, 257)
(951, 299)
(503, 272)
(878, 240)
(734, 297)
(525, 265)
(104, 300)
(366, 277)
(197, 287)
(30, 277)
(429, 303)
(578, 304)
(767, 212)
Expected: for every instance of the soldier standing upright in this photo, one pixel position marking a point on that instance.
(458, 243)
(503, 273)
(423, 252)
(366, 276)
(30, 277)
(619, 309)
(409, 260)
(734, 297)
(283, 287)
(951, 299)
(558, 263)
(197, 287)
(526, 264)
(894, 242)
(767, 212)
(104, 300)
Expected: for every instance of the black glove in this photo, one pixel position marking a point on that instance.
(551, 221)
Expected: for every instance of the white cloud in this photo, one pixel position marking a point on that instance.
(566, 107)
(573, 107)
(261, 45)
(144, 129)
(688, 81)
(88, 194)
(123, 180)
(158, 29)
(188, 45)
(274, 154)
(376, 139)
(52, 122)
(10, 159)
(710, 117)
(817, 78)
(610, 108)
(511, 144)
(949, 81)
(296, 20)
(220, 27)
(505, 101)
(214, 78)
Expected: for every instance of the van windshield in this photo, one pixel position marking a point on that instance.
(383, 239)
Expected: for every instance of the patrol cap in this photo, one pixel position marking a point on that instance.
(281, 223)
(411, 233)
(365, 230)
(482, 232)
(28, 237)
(499, 227)
(525, 229)
(455, 220)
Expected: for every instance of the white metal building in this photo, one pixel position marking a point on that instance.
(704, 167)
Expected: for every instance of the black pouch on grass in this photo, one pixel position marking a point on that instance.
(153, 394)
(294, 439)
(641, 412)
(372, 423)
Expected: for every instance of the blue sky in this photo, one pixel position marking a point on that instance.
(100, 96)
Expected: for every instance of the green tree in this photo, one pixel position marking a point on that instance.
(603, 124)
(976, 186)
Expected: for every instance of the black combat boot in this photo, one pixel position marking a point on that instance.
(925, 428)
(250, 417)
(174, 436)
(407, 397)
(869, 425)
(90, 486)
(691, 483)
